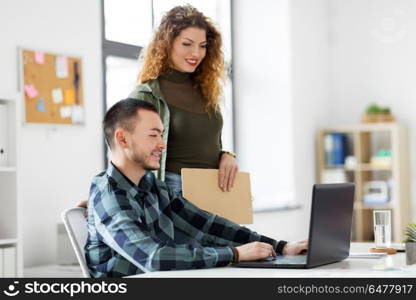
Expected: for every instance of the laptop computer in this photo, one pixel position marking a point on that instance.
(329, 230)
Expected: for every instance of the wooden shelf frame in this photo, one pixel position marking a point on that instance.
(361, 135)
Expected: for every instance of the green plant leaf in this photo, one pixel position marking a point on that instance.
(410, 233)
(373, 109)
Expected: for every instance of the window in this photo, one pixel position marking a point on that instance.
(220, 12)
(121, 77)
(264, 117)
(128, 21)
(128, 27)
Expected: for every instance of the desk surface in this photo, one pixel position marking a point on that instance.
(350, 267)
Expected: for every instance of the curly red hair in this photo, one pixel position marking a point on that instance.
(208, 74)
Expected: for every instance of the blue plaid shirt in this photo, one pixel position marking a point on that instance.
(135, 229)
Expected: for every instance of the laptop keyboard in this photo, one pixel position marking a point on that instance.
(295, 260)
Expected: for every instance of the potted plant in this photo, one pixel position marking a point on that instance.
(410, 233)
(375, 113)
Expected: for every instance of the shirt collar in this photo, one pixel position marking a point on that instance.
(145, 183)
(176, 76)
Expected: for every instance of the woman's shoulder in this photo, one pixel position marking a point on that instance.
(146, 91)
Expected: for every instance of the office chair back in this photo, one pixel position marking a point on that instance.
(76, 226)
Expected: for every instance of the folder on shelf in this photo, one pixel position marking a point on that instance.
(339, 148)
(200, 186)
(335, 147)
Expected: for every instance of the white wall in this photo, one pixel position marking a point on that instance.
(262, 87)
(56, 164)
(310, 88)
(373, 46)
(281, 68)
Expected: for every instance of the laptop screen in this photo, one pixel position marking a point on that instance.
(330, 224)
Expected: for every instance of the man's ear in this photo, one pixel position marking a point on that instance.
(120, 137)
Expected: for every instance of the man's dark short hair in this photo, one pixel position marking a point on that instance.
(123, 114)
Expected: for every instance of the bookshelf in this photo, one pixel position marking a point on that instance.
(376, 159)
(10, 242)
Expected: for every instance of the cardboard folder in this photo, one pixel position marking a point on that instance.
(200, 186)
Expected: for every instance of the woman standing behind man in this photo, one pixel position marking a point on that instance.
(181, 76)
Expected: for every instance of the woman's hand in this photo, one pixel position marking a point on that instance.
(84, 204)
(228, 169)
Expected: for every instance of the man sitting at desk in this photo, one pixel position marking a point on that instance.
(136, 224)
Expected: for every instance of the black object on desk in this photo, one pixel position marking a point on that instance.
(329, 230)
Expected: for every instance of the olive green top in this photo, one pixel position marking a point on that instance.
(150, 91)
(194, 135)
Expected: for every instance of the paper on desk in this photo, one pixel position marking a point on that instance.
(366, 255)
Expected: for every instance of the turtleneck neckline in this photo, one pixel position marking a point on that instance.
(176, 76)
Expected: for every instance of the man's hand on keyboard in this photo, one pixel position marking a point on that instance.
(296, 248)
(255, 251)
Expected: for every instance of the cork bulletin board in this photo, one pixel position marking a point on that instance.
(52, 87)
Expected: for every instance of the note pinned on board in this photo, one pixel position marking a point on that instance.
(40, 106)
(66, 111)
(69, 97)
(57, 95)
(39, 57)
(77, 114)
(61, 65)
(31, 91)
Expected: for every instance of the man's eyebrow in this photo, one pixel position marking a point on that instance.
(157, 129)
(193, 41)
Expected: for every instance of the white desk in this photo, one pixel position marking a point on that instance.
(351, 267)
